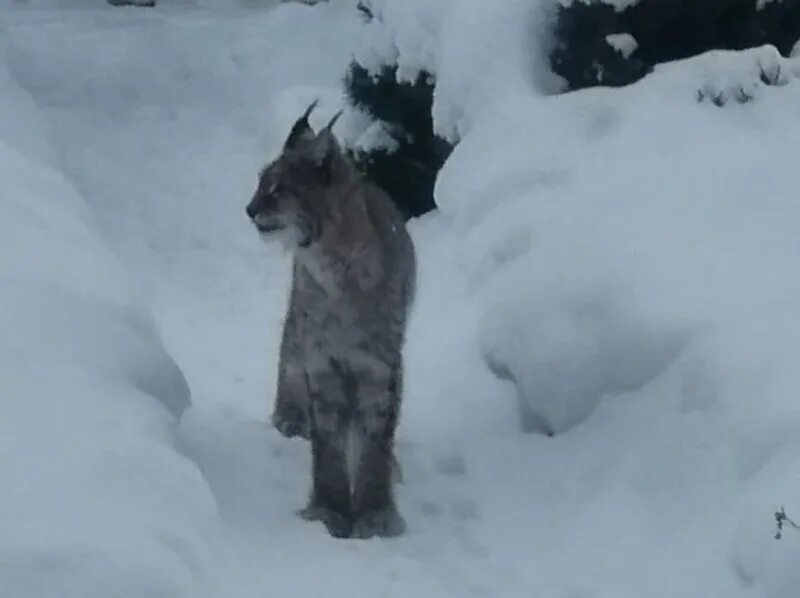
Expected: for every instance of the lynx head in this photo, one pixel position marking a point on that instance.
(292, 190)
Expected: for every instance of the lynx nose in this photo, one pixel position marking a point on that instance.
(251, 212)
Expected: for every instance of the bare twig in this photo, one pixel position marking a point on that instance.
(782, 520)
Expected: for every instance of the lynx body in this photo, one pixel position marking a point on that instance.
(341, 366)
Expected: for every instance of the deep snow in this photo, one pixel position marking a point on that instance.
(623, 259)
(95, 496)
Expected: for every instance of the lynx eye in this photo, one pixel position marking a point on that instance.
(275, 189)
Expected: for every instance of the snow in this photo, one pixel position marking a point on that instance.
(95, 494)
(589, 295)
(632, 249)
(504, 40)
(624, 43)
(613, 267)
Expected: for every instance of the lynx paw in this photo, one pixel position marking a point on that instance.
(290, 420)
(338, 525)
(385, 523)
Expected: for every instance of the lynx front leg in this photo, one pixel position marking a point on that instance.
(330, 493)
(374, 509)
(290, 413)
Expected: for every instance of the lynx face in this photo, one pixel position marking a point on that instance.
(289, 200)
(292, 188)
(266, 210)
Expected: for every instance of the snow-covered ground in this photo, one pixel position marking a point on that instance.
(615, 266)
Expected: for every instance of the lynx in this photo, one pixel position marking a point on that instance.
(341, 365)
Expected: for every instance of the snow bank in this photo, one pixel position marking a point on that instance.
(611, 266)
(634, 252)
(96, 499)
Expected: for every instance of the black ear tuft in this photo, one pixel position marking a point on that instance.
(301, 130)
(329, 126)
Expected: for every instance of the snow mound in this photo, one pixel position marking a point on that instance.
(96, 499)
(593, 278)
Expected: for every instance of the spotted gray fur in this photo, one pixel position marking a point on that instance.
(341, 363)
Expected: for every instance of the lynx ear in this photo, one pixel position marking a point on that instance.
(301, 131)
(325, 149)
(325, 152)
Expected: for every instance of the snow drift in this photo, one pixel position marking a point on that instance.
(96, 499)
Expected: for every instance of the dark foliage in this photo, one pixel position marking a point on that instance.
(665, 30)
(407, 174)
